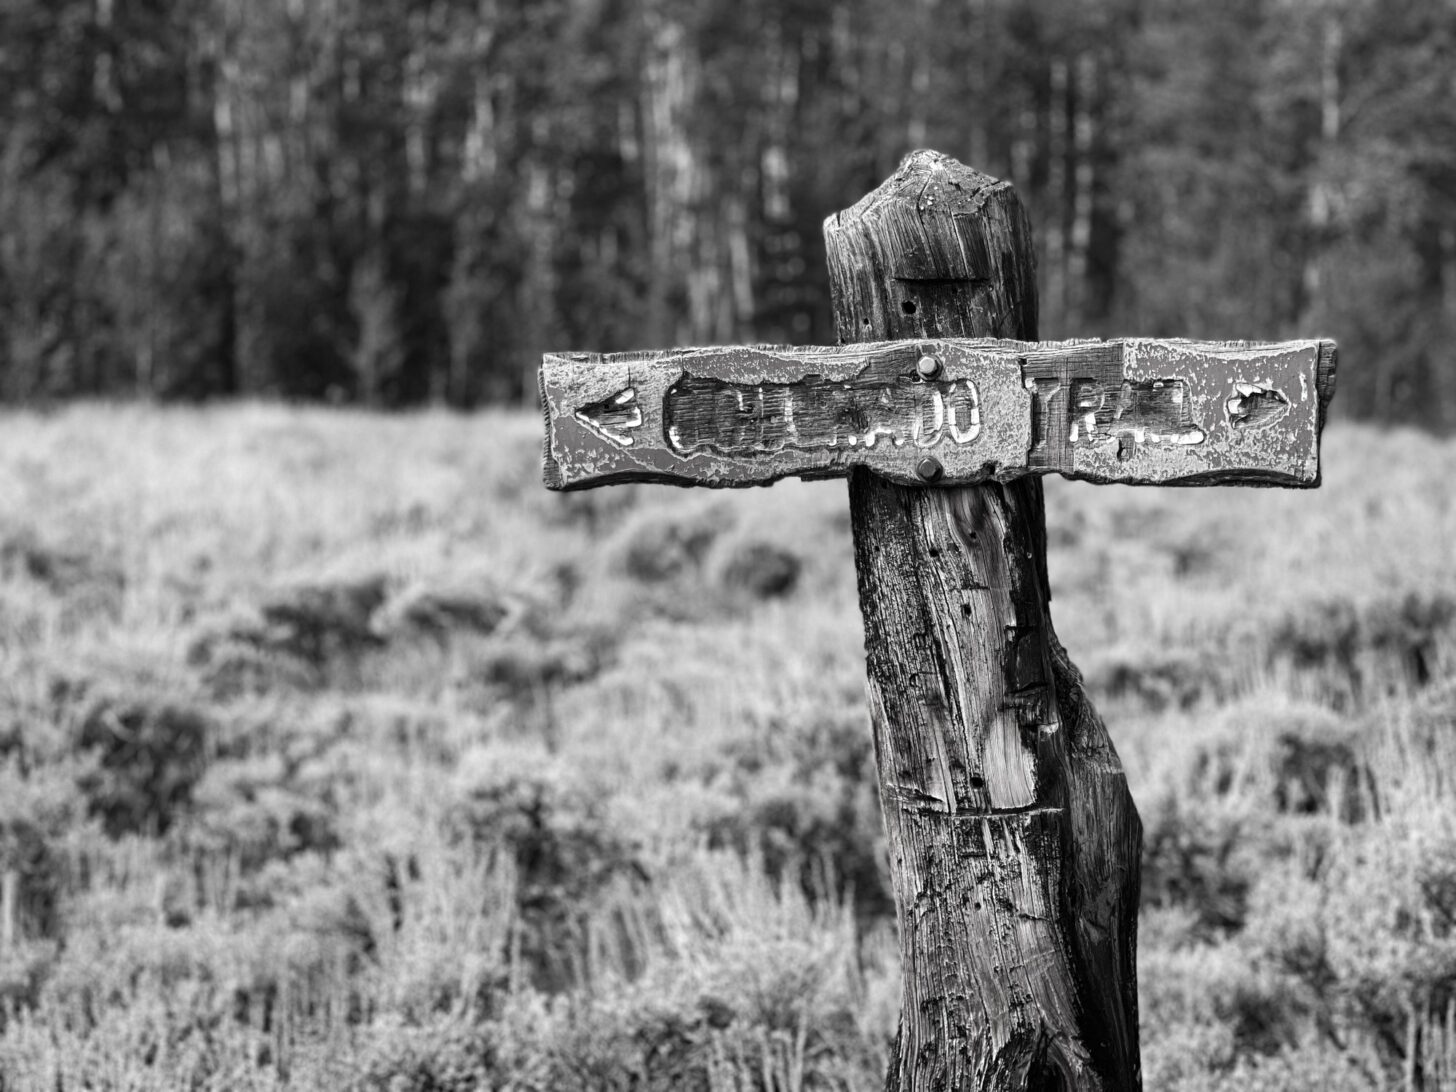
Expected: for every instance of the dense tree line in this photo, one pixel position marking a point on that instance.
(396, 201)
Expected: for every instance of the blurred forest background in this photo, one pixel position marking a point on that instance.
(396, 203)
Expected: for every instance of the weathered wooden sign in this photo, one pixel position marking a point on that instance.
(1014, 843)
(955, 411)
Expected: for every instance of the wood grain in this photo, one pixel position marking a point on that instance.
(1135, 411)
(1014, 842)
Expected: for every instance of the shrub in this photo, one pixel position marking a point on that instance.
(234, 657)
(1413, 747)
(1285, 757)
(521, 668)
(567, 859)
(595, 511)
(746, 986)
(518, 677)
(24, 968)
(295, 637)
(662, 544)
(319, 621)
(1161, 678)
(34, 872)
(1350, 647)
(148, 755)
(802, 797)
(754, 570)
(1369, 934)
(256, 811)
(61, 570)
(1409, 631)
(430, 917)
(1310, 1067)
(447, 1054)
(440, 612)
(1195, 856)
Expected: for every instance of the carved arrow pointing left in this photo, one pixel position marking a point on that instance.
(613, 418)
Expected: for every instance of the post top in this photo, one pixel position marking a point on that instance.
(926, 181)
(939, 249)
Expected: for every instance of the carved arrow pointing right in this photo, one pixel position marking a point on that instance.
(1252, 406)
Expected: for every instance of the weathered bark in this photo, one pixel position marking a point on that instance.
(1014, 842)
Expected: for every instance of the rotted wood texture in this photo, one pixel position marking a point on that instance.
(1014, 841)
(1136, 411)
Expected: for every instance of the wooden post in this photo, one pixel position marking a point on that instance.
(1014, 842)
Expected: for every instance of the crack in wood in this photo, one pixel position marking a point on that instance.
(1004, 813)
(944, 282)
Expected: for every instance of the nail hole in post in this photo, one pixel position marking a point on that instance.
(908, 307)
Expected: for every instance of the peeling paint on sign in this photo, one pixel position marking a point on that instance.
(1136, 410)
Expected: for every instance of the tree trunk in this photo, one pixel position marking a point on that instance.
(1014, 842)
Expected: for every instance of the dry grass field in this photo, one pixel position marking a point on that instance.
(337, 753)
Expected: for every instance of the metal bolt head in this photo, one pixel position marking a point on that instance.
(928, 366)
(929, 469)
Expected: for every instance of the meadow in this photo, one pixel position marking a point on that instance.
(337, 753)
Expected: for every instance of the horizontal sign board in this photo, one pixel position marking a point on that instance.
(948, 411)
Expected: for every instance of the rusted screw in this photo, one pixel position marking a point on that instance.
(928, 366)
(929, 469)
